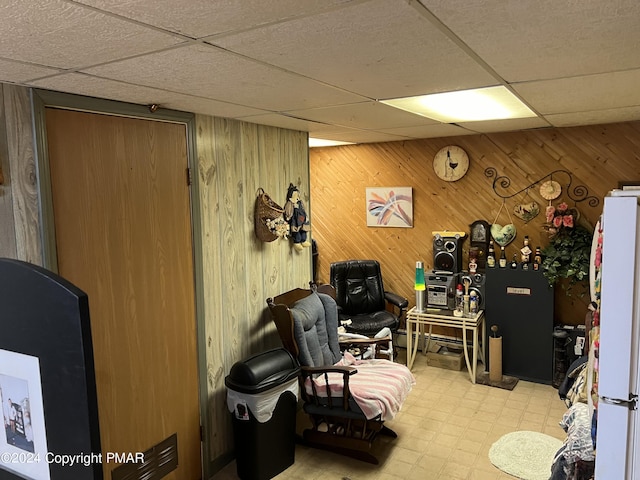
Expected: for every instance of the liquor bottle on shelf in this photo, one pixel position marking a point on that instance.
(491, 255)
(503, 258)
(473, 303)
(537, 259)
(514, 262)
(525, 253)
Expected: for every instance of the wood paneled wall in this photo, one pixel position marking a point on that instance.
(598, 156)
(240, 271)
(20, 235)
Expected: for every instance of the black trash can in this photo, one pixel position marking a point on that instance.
(262, 396)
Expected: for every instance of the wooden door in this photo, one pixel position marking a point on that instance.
(123, 235)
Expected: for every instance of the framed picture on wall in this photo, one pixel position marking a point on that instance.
(389, 206)
(23, 442)
(47, 378)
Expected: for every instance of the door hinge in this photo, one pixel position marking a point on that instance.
(201, 434)
(188, 177)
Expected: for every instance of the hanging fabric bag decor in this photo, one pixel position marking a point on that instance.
(269, 221)
(503, 235)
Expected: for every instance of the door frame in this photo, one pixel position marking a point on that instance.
(42, 99)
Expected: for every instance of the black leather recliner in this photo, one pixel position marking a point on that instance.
(361, 297)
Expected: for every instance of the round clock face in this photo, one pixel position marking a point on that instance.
(479, 233)
(451, 163)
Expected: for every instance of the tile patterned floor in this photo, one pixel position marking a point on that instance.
(445, 430)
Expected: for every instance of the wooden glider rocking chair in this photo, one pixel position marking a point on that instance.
(307, 322)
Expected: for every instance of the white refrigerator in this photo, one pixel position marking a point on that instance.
(618, 426)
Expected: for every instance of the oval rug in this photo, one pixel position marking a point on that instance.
(526, 455)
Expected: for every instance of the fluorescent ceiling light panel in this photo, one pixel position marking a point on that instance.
(321, 142)
(491, 103)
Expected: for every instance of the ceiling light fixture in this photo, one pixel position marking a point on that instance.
(321, 142)
(490, 103)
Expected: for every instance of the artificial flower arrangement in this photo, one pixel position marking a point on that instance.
(278, 226)
(559, 217)
(568, 254)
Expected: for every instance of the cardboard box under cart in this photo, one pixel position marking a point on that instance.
(451, 358)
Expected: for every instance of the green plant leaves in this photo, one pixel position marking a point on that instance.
(568, 256)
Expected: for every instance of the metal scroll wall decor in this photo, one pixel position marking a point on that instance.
(579, 193)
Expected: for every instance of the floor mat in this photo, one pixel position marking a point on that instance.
(508, 383)
(525, 455)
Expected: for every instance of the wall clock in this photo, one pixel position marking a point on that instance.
(451, 163)
(479, 240)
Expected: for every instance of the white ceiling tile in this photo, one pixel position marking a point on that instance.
(358, 136)
(199, 18)
(579, 94)
(113, 90)
(429, 131)
(66, 35)
(17, 72)
(541, 39)
(212, 73)
(613, 115)
(365, 115)
(509, 125)
(380, 49)
(283, 121)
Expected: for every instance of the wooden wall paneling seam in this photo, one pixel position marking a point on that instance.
(210, 135)
(251, 159)
(7, 223)
(24, 173)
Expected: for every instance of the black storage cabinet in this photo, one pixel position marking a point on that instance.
(263, 450)
(520, 303)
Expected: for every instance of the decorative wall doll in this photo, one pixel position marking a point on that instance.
(296, 216)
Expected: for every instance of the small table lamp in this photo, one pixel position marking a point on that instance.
(420, 287)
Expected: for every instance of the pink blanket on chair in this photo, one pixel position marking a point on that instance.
(379, 388)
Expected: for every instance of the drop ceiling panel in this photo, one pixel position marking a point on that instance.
(626, 114)
(199, 18)
(579, 94)
(113, 90)
(205, 71)
(492, 126)
(66, 35)
(380, 49)
(283, 121)
(429, 131)
(325, 62)
(17, 72)
(542, 39)
(359, 136)
(366, 115)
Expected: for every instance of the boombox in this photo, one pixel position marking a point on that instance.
(477, 284)
(447, 251)
(441, 290)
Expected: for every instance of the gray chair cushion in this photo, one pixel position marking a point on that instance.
(315, 329)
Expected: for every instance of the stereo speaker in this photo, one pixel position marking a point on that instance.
(447, 253)
(477, 284)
